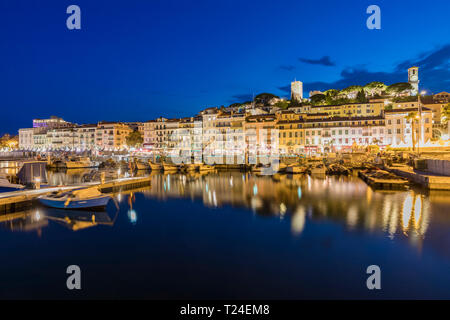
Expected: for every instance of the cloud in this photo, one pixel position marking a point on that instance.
(434, 73)
(324, 61)
(287, 67)
(241, 98)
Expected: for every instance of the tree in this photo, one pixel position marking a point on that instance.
(361, 97)
(412, 118)
(398, 88)
(445, 116)
(375, 88)
(282, 104)
(318, 99)
(134, 139)
(389, 107)
(264, 98)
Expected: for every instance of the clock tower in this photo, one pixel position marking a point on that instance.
(413, 79)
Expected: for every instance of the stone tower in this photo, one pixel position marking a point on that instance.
(297, 91)
(413, 79)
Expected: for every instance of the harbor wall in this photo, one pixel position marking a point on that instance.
(441, 167)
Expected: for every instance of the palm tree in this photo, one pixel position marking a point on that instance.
(445, 116)
(412, 116)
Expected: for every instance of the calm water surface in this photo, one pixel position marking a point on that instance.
(233, 235)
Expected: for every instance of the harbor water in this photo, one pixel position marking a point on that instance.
(233, 235)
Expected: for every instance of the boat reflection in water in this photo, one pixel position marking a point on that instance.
(301, 199)
(78, 219)
(346, 199)
(238, 235)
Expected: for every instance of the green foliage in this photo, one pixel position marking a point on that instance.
(331, 93)
(375, 88)
(134, 139)
(445, 116)
(389, 107)
(405, 99)
(361, 97)
(283, 104)
(351, 89)
(264, 98)
(398, 87)
(318, 99)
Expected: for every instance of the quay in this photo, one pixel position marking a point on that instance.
(430, 181)
(384, 184)
(23, 200)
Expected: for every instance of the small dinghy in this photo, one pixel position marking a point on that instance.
(85, 198)
(6, 186)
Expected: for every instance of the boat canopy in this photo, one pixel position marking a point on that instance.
(86, 192)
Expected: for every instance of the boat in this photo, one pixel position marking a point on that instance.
(78, 162)
(139, 165)
(7, 186)
(319, 169)
(189, 167)
(205, 168)
(83, 198)
(264, 169)
(296, 168)
(155, 166)
(167, 167)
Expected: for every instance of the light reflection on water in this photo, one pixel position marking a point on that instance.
(331, 220)
(344, 199)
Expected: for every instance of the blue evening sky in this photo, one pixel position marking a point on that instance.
(135, 60)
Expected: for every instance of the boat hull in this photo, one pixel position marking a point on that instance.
(98, 202)
(295, 169)
(78, 165)
(9, 189)
(155, 167)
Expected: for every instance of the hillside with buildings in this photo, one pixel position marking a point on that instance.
(394, 115)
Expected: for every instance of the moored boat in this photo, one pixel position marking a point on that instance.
(139, 165)
(7, 186)
(295, 169)
(83, 198)
(168, 167)
(155, 166)
(205, 168)
(78, 162)
(319, 169)
(189, 167)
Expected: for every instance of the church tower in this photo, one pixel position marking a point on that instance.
(413, 79)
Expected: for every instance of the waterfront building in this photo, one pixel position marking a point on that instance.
(337, 133)
(189, 138)
(261, 135)
(150, 137)
(230, 137)
(52, 123)
(111, 135)
(166, 134)
(65, 138)
(290, 132)
(370, 109)
(399, 127)
(442, 97)
(209, 131)
(26, 141)
(136, 126)
(40, 142)
(87, 136)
